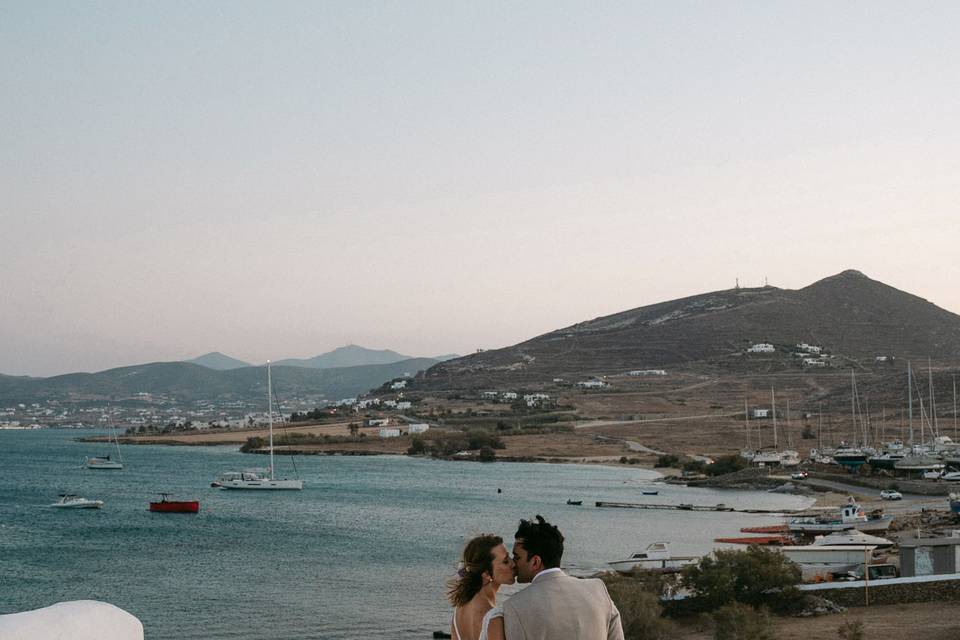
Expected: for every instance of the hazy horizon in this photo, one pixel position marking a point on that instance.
(275, 181)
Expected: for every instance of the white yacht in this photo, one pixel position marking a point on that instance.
(259, 479)
(70, 501)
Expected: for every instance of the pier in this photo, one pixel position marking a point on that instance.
(690, 507)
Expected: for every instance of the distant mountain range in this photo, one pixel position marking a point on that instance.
(349, 356)
(189, 382)
(218, 361)
(848, 314)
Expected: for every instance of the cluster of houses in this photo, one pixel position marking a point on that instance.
(530, 399)
(387, 431)
(810, 355)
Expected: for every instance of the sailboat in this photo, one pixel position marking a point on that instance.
(106, 462)
(255, 479)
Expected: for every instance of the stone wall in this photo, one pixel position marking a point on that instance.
(880, 594)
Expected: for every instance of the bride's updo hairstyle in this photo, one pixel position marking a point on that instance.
(477, 559)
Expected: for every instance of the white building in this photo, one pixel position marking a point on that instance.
(761, 347)
(536, 399)
(389, 432)
(508, 395)
(376, 422)
(404, 404)
(760, 413)
(489, 395)
(813, 362)
(418, 427)
(809, 348)
(647, 372)
(881, 358)
(399, 384)
(592, 384)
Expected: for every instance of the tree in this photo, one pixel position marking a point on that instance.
(487, 454)
(417, 446)
(757, 576)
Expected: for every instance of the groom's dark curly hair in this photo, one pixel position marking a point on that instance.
(542, 539)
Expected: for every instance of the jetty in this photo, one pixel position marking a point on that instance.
(690, 507)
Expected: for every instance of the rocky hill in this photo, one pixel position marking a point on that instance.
(850, 315)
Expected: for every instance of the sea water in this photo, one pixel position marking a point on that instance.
(362, 552)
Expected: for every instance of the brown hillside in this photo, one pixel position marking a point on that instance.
(850, 315)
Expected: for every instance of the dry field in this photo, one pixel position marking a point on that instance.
(926, 621)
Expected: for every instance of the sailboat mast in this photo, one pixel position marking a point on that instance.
(935, 425)
(746, 423)
(270, 415)
(853, 405)
(773, 409)
(954, 407)
(910, 399)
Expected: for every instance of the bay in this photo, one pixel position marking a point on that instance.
(362, 552)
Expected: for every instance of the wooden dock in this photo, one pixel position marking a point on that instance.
(689, 507)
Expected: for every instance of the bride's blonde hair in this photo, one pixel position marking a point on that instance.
(477, 558)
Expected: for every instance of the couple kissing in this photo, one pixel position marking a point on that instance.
(553, 605)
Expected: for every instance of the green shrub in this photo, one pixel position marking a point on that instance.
(757, 576)
(667, 460)
(851, 630)
(737, 621)
(640, 610)
(487, 454)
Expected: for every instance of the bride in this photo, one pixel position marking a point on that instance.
(486, 566)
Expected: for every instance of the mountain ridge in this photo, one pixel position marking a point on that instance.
(847, 313)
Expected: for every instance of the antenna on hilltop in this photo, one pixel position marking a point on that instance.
(765, 283)
(738, 284)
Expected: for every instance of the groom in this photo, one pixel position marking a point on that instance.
(555, 605)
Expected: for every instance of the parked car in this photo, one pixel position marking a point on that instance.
(799, 475)
(890, 494)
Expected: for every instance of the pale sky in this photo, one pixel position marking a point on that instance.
(276, 179)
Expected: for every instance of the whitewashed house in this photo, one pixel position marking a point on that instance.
(419, 427)
(404, 404)
(389, 432)
(508, 395)
(376, 422)
(489, 395)
(391, 404)
(809, 348)
(761, 347)
(814, 362)
(647, 372)
(760, 413)
(399, 384)
(536, 399)
(592, 384)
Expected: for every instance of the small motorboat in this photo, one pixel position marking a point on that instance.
(175, 506)
(657, 557)
(650, 493)
(70, 501)
(575, 503)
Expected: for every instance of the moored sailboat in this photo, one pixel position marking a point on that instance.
(255, 480)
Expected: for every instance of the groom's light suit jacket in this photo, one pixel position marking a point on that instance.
(558, 607)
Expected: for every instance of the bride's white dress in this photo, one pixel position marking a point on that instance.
(496, 612)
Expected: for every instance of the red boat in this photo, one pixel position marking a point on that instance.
(175, 506)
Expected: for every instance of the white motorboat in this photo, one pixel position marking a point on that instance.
(851, 538)
(819, 561)
(851, 516)
(70, 501)
(259, 480)
(656, 556)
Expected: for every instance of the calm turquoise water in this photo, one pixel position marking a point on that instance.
(362, 552)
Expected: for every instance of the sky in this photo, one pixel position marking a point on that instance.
(276, 179)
